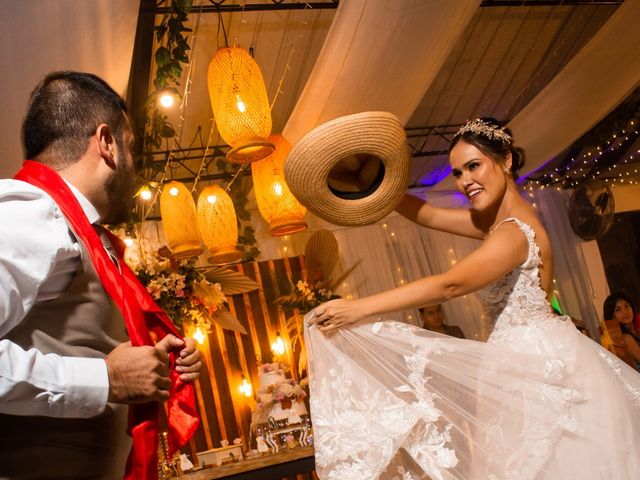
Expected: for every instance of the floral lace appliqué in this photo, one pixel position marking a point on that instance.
(361, 429)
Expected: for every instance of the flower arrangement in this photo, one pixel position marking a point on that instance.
(282, 392)
(180, 289)
(304, 297)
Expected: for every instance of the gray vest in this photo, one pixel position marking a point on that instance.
(81, 322)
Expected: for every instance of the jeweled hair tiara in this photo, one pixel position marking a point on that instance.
(480, 127)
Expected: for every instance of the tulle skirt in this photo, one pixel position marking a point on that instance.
(393, 401)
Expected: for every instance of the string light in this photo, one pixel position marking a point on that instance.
(278, 347)
(245, 388)
(198, 335)
(145, 193)
(593, 163)
(166, 100)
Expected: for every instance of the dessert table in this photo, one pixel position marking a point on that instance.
(274, 466)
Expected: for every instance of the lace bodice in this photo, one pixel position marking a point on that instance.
(517, 299)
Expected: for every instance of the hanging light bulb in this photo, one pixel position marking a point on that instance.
(240, 104)
(166, 100)
(218, 225)
(178, 212)
(275, 201)
(245, 387)
(146, 194)
(278, 346)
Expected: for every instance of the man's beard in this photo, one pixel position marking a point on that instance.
(120, 189)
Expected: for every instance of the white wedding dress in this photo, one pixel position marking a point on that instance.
(538, 400)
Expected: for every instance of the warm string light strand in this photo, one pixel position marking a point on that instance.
(592, 163)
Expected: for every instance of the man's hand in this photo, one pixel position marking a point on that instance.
(189, 364)
(141, 374)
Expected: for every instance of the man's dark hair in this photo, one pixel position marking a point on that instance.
(64, 111)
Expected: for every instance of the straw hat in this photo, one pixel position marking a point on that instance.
(352, 170)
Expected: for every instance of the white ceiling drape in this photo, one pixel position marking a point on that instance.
(379, 55)
(38, 37)
(592, 84)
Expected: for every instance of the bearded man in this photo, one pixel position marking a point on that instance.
(75, 348)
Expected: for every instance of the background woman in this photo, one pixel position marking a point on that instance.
(620, 307)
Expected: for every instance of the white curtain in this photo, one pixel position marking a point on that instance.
(573, 283)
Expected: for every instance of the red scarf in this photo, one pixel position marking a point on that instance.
(141, 316)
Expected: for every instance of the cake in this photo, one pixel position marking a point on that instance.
(279, 397)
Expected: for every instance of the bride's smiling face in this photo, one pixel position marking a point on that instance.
(478, 176)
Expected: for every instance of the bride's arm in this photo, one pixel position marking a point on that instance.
(501, 252)
(452, 220)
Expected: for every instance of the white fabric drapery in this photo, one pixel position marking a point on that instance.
(40, 37)
(575, 291)
(378, 55)
(593, 83)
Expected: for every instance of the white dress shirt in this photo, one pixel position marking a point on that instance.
(38, 259)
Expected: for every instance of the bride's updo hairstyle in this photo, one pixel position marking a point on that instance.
(493, 139)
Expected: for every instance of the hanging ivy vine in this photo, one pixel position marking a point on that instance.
(170, 56)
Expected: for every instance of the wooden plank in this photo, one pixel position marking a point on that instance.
(204, 423)
(263, 467)
(251, 320)
(284, 331)
(230, 381)
(215, 391)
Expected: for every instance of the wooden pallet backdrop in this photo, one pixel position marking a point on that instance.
(228, 355)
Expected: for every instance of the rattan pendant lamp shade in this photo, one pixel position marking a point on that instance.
(178, 212)
(275, 201)
(240, 104)
(218, 225)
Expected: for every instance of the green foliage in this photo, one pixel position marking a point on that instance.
(171, 35)
(175, 292)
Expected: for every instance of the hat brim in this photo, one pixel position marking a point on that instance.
(376, 134)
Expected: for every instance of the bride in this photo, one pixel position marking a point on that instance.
(538, 400)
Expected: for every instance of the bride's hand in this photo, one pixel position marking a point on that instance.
(336, 314)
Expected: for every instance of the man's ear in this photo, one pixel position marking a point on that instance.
(106, 145)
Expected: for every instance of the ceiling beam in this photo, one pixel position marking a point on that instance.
(547, 3)
(220, 7)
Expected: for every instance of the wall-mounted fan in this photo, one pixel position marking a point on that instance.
(591, 209)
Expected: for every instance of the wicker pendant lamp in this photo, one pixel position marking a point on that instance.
(218, 225)
(178, 212)
(240, 104)
(275, 201)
